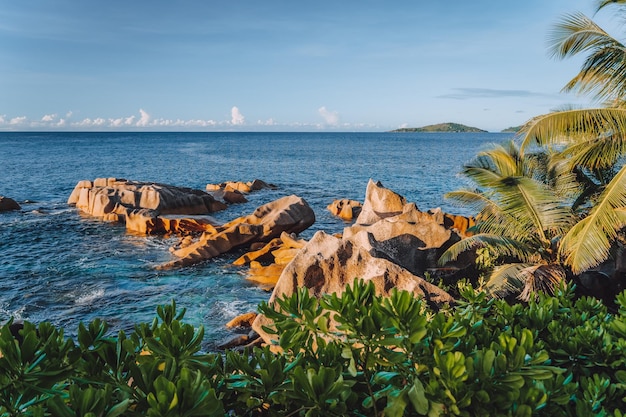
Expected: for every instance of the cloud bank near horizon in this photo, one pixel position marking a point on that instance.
(144, 121)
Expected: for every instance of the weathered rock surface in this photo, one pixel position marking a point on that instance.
(267, 263)
(327, 264)
(243, 320)
(345, 209)
(143, 205)
(289, 214)
(393, 244)
(8, 204)
(380, 203)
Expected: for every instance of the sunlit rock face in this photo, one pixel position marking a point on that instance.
(345, 209)
(392, 244)
(144, 206)
(289, 214)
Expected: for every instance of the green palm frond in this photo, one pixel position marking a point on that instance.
(534, 205)
(475, 200)
(572, 126)
(596, 153)
(587, 244)
(526, 278)
(541, 278)
(602, 71)
(506, 279)
(500, 246)
(562, 179)
(483, 176)
(497, 162)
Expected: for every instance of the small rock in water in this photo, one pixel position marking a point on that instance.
(8, 204)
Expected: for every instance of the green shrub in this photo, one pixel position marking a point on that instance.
(356, 354)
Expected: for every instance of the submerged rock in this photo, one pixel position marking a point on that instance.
(8, 204)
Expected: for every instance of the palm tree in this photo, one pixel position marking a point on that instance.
(567, 212)
(520, 215)
(593, 141)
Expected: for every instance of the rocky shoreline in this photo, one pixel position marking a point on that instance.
(387, 240)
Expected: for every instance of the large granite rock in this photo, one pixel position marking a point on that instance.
(379, 203)
(8, 204)
(392, 244)
(327, 264)
(289, 214)
(143, 205)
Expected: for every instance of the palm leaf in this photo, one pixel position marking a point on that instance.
(599, 152)
(602, 73)
(474, 200)
(536, 205)
(587, 244)
(501, 246)
(506, 279)
(572, 126)
(526, 278)
(541, 278)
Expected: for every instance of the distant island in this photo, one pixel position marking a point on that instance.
(442, 127)
(513, 129)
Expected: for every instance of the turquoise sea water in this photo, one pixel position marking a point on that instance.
(57, 265)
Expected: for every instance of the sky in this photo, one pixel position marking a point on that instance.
(204, 65)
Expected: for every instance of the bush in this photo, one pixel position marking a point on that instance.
(356, 354)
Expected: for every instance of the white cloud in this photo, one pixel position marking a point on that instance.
(69, 114)
(48, 117)
(144, 119)
(236, 116)
(18, 120)
(268, 122)
(331, 117)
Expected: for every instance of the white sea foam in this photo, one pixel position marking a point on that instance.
(17, 314)
(89, 297)
(230, 309)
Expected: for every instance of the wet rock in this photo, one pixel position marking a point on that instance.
(243, 320)
(8, 204)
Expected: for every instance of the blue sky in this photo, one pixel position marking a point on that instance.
(280, 65)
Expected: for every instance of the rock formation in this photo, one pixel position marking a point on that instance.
(267, 263)
(146, 208)
(8, 204)
(288, 214)
(345, 209)
(392, 244)
(232, 192)
(327, 264)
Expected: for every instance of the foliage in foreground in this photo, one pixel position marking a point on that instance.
(355, 354)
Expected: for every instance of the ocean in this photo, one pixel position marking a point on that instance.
(60, 266)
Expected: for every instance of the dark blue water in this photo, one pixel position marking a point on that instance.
(59, 266)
